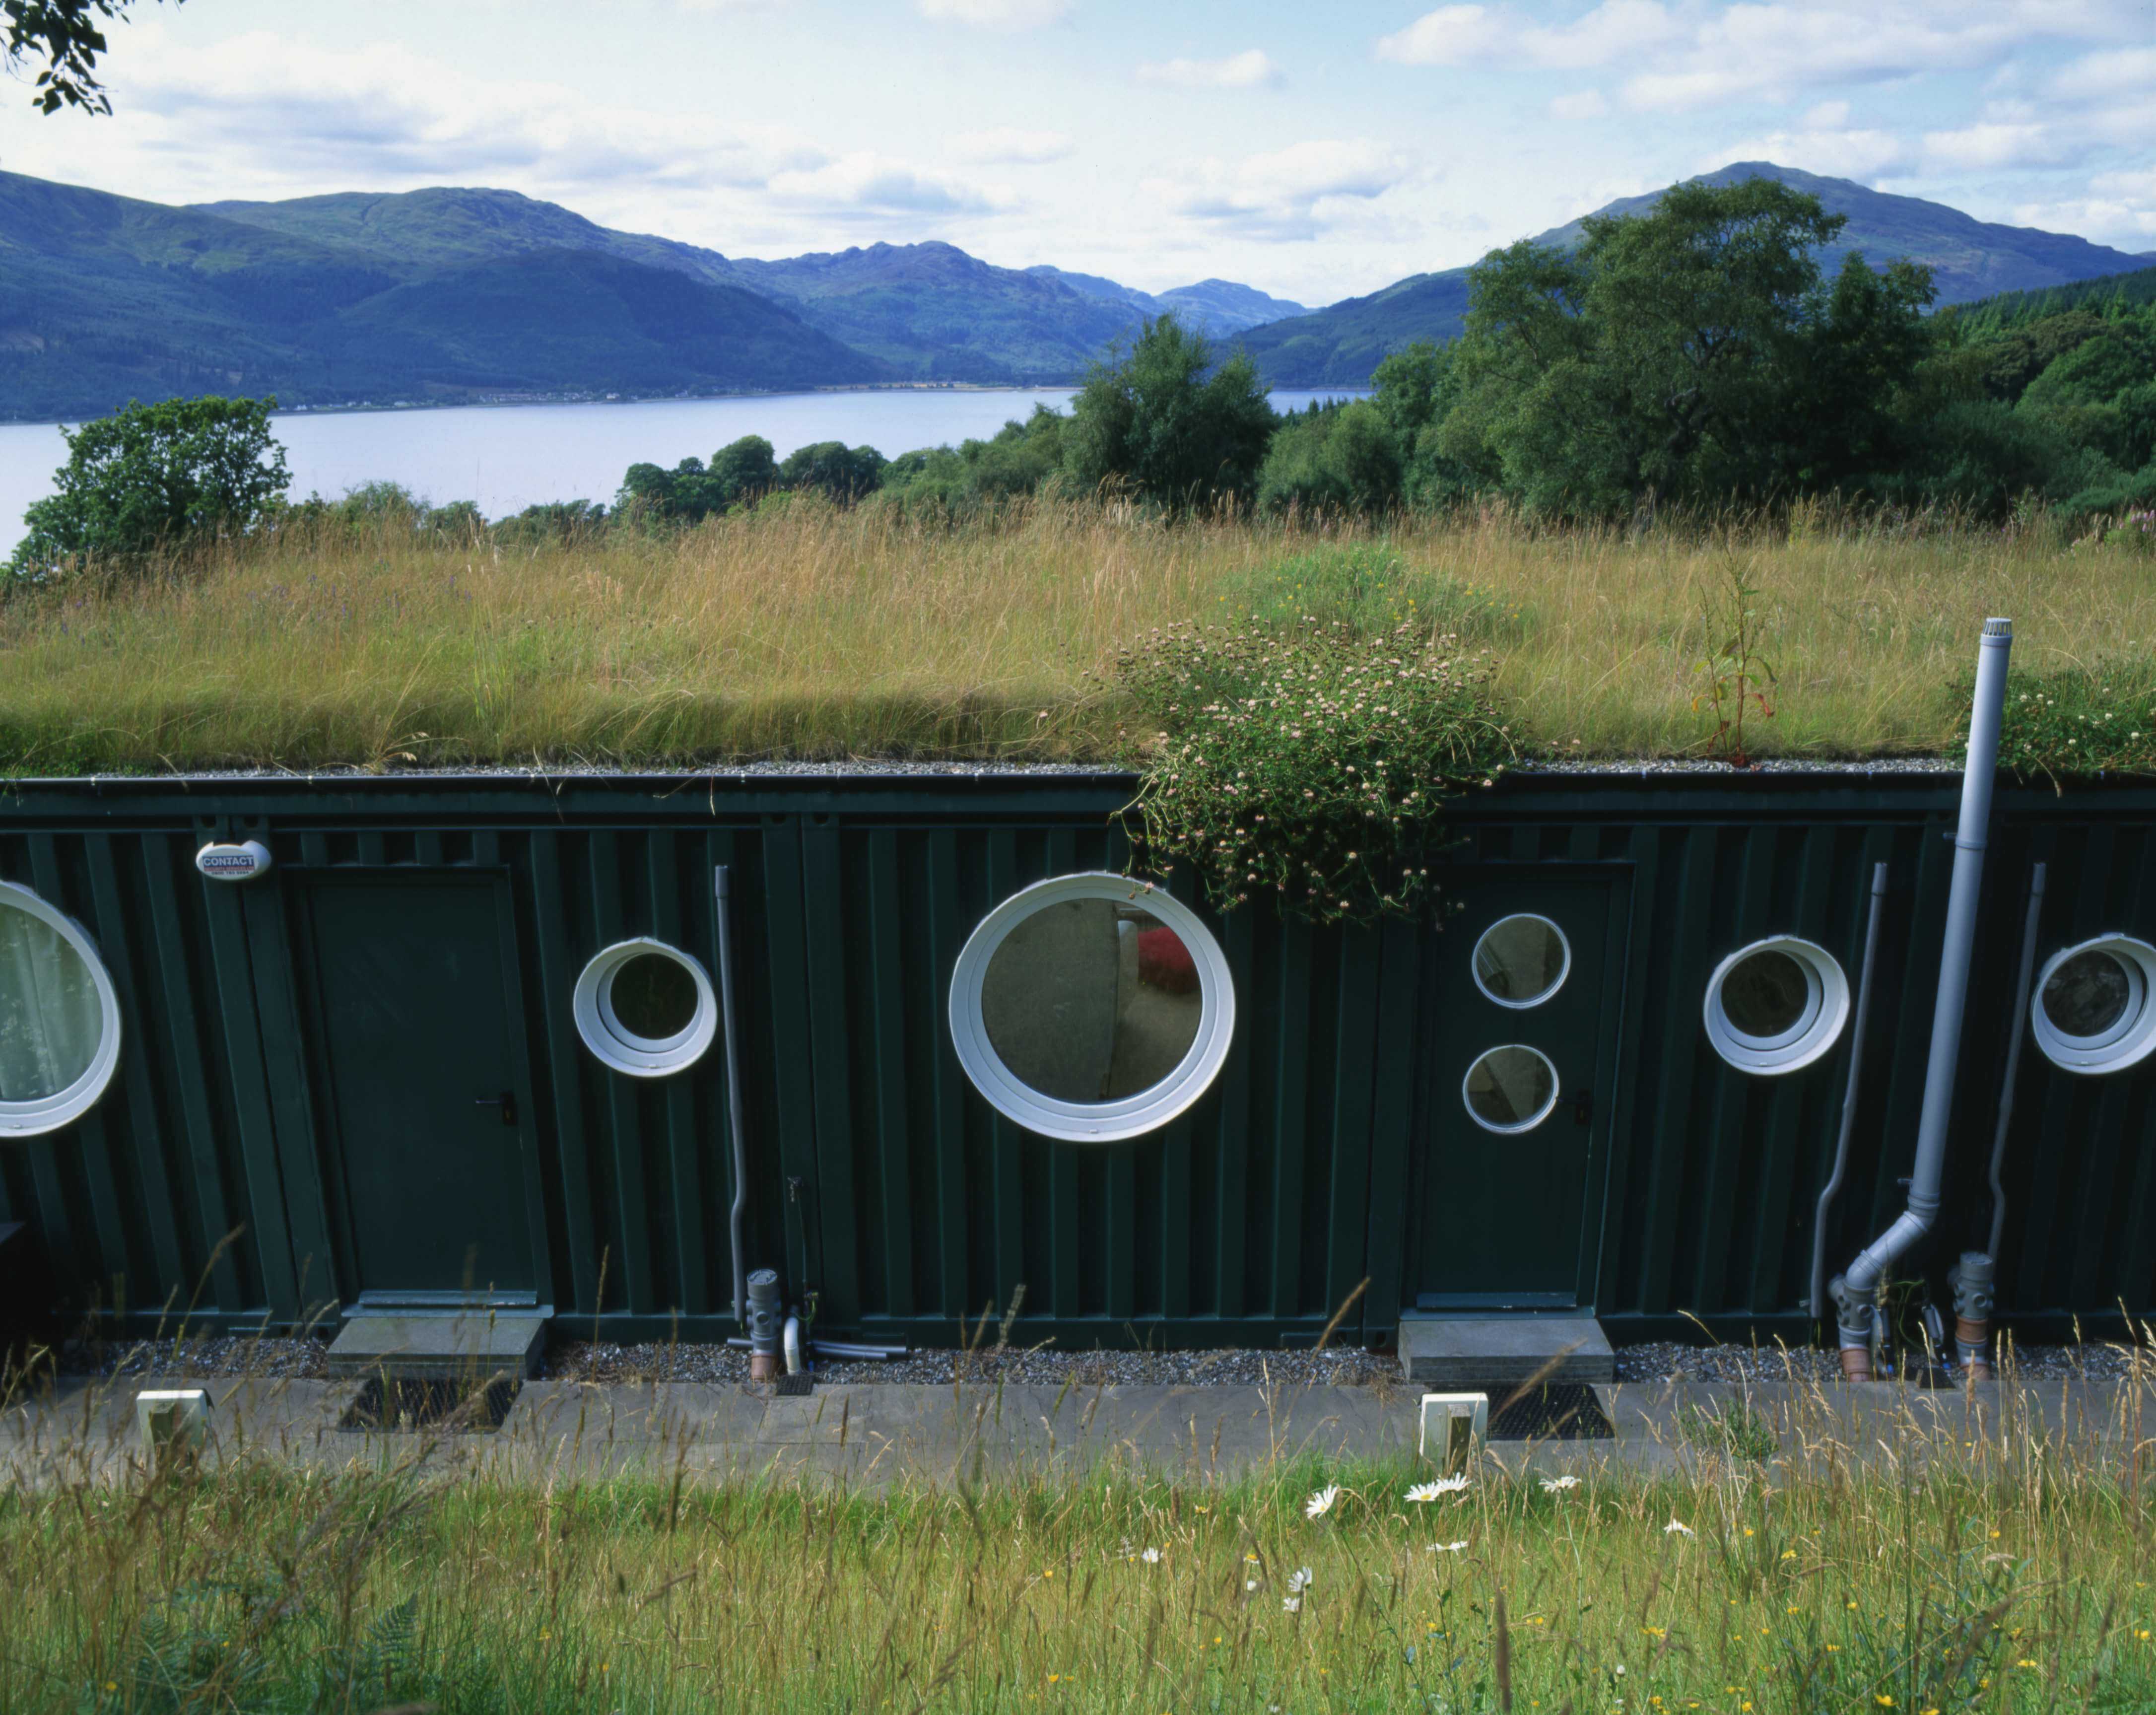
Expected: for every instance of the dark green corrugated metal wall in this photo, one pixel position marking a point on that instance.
(878, 1175)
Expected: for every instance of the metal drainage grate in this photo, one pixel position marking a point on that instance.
(804, 1383)
(1549, 1411)
(409, 1403)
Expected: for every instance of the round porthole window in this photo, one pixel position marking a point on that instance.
(645, 1009)
(1510, 1089)
(1522, 960)
(1776, 1005)
(1091, 1007)
(59, 1020)
(2090, 1012)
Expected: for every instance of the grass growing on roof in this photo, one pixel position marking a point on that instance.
(801, 630)
(2009, 1571)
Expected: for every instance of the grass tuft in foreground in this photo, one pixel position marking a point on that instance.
(803, 630)
(1997, 1567)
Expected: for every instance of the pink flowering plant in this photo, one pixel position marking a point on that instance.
(1309, 763)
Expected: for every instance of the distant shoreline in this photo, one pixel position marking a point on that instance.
(375, 408)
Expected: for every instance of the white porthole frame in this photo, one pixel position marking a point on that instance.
(1517, 1127)
(613, 1042)
(48, 1113)
(1564, 970)
(2124, 1043)
(1818, 1028)
(1093, 1121)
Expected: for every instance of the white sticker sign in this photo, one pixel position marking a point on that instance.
(242, 862)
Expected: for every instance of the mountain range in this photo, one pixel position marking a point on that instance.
(444, 295)
(1970, 259)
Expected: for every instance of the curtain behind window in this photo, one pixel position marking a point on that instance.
(50, 1020)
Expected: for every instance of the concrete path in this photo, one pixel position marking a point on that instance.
(877, 1436)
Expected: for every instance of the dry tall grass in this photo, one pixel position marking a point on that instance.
(803, 631)
(1959, 1561)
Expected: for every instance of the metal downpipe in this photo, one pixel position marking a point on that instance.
(1833, 1188)
(1856, 1292)
(1974, 1278)
(723, 892)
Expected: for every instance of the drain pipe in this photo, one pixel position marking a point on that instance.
(722, 891)
(763, 1331)
(1833, 1189)
(1973, 1277)
(1856, 1293)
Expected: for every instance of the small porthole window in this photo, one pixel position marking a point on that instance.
(1510, 1089)
(1776, 1005)
(645, 1009)
(1091, 1007)
(59, 1020)
(2092, 1011)
(1522, 960)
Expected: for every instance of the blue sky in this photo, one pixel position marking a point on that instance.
(1314, 150)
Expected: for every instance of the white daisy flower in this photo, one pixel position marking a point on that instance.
(1151, 1556)
(1442, 1486)
(1678, 1528)
(1292, 1604)
(1249, 1584)
(1321, 1503)
(1556, 1485)
(1444, 1548)
(1299, 1580)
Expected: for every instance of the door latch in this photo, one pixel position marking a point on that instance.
(1583, 1106)
(506, 1103)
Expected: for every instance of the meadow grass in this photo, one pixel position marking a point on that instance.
(2008, 1570)
(798, 631)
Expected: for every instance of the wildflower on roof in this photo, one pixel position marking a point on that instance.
(1321, 1503)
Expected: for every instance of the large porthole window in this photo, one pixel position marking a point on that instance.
(645, 1009)
(1091, 1007)
(59, 1020)
(1510, 1089)
(1776, 1005)
(1522, 960)
(2090, 1011)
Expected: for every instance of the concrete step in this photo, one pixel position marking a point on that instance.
(1460, 1353)
(426, 1346)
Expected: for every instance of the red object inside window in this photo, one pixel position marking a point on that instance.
(1165, 962)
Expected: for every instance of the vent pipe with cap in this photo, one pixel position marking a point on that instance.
(1856, 1293)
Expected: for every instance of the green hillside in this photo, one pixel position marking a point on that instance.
(104, 299)
(1338, 347)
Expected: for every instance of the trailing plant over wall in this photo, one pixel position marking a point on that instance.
(1310, 763)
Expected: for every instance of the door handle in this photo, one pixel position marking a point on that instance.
(506, 1102)
(1583, 1106)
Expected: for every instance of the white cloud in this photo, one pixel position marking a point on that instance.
(1295, 193)
(2129, 71)
(997, 14)
(2120, 209)
(867, 185)
(1451, 35)
(1009, 147)
(1247, 70)
(1689, 56)
(1586, 104)
(1838, 151)
(1994, 144)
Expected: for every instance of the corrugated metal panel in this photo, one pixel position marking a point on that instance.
(878, 1175)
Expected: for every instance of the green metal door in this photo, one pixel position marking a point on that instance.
(414, 1031)
(1520, 1064)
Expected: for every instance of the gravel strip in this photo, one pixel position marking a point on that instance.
(1667, 1360)
(1345, 1367)
(586, 1361)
